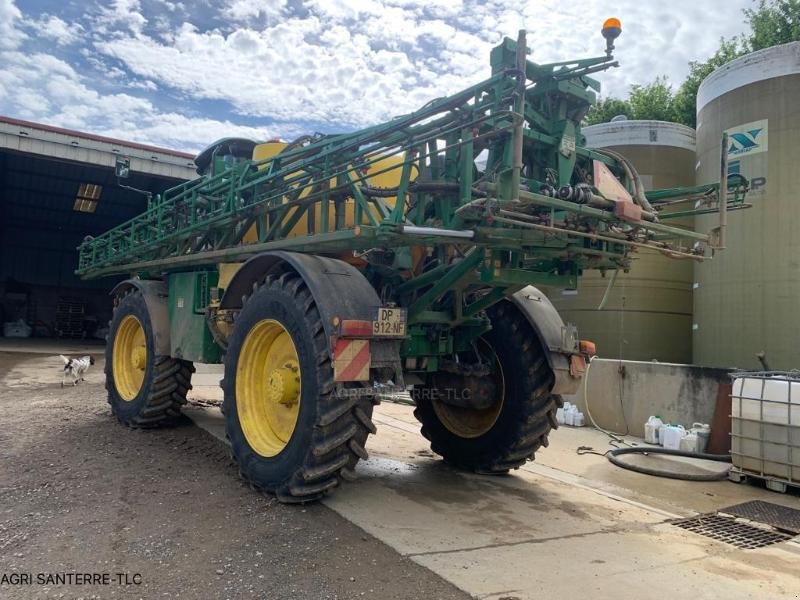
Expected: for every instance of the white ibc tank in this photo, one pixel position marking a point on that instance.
(765, 426)
(769, 399)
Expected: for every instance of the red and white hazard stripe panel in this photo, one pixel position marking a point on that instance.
(351, 360)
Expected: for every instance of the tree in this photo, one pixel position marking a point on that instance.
(773, 22)
(606, 109)
(654, 101)
(685, 104)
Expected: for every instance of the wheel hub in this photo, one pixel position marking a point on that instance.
(139, 358)
(284, 385)
(472, 403)
(465, 391)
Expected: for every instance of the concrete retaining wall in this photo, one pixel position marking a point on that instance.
(680, 394)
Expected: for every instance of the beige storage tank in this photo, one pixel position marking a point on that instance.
(648, 314)
(747, 298)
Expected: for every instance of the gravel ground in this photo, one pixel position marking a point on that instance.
(80, 493)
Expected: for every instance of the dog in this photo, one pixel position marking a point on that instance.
(76, 368)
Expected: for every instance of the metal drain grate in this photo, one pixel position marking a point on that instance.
(778, 516)
(732, 531)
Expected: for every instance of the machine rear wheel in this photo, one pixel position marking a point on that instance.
(144, 390)
(508, 431)
(293, 431)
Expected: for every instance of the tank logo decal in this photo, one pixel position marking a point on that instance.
(750, 138)
(748, 152)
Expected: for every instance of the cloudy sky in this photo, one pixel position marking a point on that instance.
(181, 74)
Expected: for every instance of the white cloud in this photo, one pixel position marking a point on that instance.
(53, 28)
(40, 87)
(436, 7)
(354, 63)
(121, 13)
(305, 69)
(313, 64)
(144, 84)
(344, 10)
(245, 10)
(172, 6)
(10, 35)
(182, 132)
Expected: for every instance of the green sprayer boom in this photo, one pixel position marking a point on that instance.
(538, 203)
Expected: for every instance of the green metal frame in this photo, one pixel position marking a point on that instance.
(486, 231)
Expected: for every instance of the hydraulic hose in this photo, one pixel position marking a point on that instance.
(633, 175)
(613, 279)
(613, 454)
(418, 186)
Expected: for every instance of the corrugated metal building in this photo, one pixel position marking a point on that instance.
(57, 186)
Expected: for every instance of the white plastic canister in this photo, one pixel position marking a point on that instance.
(672, 436)
(651, 429)
(689, 442)
(703, 432)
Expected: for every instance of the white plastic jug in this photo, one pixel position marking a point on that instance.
(689, 442)
(672, 436)
(703, 432)
(651, 429)
(579, 420)
(661, 432)
(560, 416)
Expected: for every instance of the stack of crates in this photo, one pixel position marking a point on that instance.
(69, 317)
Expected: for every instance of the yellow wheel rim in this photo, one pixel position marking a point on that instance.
(129, 360)
(268, 387)
(472, 422)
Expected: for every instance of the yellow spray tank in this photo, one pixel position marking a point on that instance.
(392, 165)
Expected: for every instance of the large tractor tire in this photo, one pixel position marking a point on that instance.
(504, 435)
(144, 389)
(293, 431)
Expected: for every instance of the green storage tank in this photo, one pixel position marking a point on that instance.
(747, 298)
(648, 314)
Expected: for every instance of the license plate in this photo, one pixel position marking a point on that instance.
(390, 322)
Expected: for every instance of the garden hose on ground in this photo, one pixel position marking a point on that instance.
(613, 454)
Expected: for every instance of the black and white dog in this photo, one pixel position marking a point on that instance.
(76, 368)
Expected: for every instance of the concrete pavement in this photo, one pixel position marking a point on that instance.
(566, 524)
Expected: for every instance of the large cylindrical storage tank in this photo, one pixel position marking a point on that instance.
(648, 314)
(748, 298)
